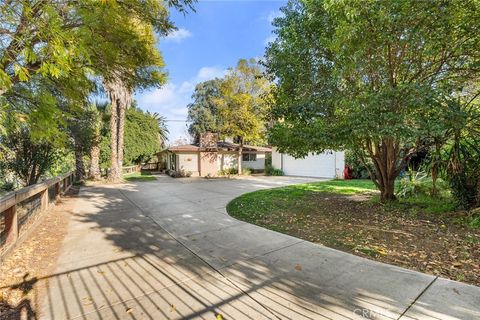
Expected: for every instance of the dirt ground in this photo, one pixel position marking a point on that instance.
(35, 258)
(434, 245)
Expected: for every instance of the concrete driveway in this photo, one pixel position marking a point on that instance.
(167, 250)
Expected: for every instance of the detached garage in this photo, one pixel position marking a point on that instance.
(329, 164)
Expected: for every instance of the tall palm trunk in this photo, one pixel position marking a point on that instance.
(94, 172)
(120, 99)
(79, 165)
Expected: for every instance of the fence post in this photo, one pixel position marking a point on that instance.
(11, 225)
(44, 200)
(57, 190)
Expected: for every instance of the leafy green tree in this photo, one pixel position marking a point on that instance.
(242, 104)
(82, 127)
(456, 155)
(29, 159)
(203, 111)
(142, 136)
(368, 76)
(145, 135)
(113, 40)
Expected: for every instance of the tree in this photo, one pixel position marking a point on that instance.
(203, 111)
(37, 38)
(456, 155)
(48, 38)
(142, 136)
(29, 159)
(368, 76)
(82, 127)
(109, 39)
(242, 104)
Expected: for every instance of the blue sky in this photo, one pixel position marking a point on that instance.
(206, 43)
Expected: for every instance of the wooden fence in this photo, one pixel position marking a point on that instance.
(131, 169)
(20, 209)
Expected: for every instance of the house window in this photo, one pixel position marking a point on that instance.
(249, 157)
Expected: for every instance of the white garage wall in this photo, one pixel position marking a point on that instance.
(276, 159)
(259, 164)
(329, 164)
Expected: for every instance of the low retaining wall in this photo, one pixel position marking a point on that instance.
(19, 210)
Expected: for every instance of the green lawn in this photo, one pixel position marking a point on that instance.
(139, 176)
(246, 204)
(421, 233)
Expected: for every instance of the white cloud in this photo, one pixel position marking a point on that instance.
(274, 14)
(179, 35)
(207, 73)
(172, 99)
(269, 39)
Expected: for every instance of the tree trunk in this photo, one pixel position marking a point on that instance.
(120, 99)
(79, 165)
(385, 156)
(94, 172)
(114, 173)
(120, 132)
(240, 156)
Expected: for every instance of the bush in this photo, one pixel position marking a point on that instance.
(272, 171)
(418, 183)
(228, 172)
(179, 174)
(357, 168)
(247, 171)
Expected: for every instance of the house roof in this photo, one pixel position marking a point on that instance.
(221, 146)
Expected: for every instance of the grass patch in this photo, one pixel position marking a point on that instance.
(139, 176)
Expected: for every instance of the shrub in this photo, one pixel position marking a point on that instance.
(247, 171)
(418, 183)
(228, 172)
(179, 174)
(272, 171)
(357, 168)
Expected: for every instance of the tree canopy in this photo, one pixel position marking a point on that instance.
(370, 76)
(54, 55)
(203, 111)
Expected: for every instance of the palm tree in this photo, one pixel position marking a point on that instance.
(162, 128)
(120, 99)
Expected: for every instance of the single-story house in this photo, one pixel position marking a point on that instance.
(329, 164)
(209, 157)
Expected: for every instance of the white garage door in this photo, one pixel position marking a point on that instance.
(320, 165)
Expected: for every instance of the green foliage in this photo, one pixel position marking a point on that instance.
(203, 111)
(358, 169)
(246, 206)
(81, 125)
(247, 171)
(142, 138)
(228, 172)
(53, 56)
(244, 102)
(418, 183)
(29, 159)
(270, 170)
(366, 75)
(140, 176)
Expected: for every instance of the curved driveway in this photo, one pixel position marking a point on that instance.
(167, 250)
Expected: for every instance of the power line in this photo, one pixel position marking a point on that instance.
(176, 120)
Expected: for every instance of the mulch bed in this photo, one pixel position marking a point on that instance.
(20, 290)
(422, 242)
